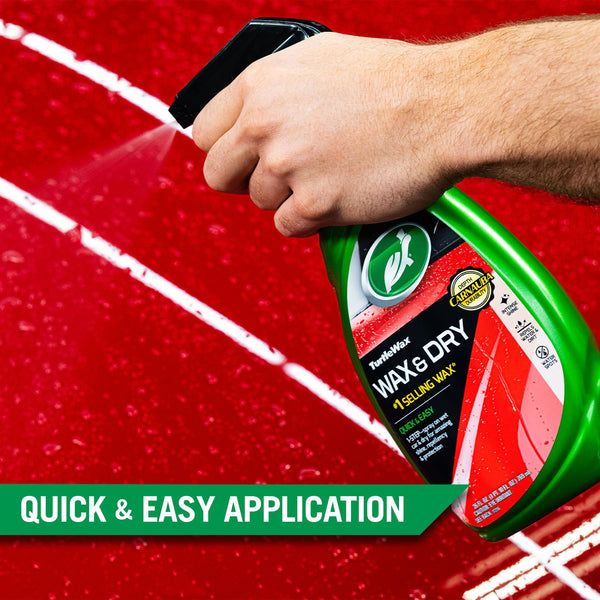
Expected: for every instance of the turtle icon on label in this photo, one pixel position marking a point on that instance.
(395, 264)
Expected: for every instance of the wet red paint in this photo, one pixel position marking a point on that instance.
(103, 380)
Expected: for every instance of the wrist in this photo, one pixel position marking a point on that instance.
(524, 100)
(470, 106)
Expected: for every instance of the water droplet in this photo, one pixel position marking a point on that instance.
(10, 301)
(308, 473)
(51, 448)
(140, 543)
(216, 229)
(12, 256)
(278, 410)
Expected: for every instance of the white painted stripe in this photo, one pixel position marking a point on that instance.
(158, 109)
(356, 414)
(93, 71)
(103, 77)
(540, 562)
(190, 304)
(34, 207)
(39, 209)
(554, 565)
(10, 31)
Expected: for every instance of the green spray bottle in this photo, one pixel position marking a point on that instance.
(474, 357)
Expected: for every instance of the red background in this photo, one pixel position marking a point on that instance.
(102, 380)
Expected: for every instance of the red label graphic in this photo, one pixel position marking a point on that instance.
(454, 371)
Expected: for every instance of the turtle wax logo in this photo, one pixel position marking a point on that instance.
(395, 264)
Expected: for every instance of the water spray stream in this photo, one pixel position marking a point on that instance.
(126, 173)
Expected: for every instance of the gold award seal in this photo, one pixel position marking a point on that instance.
(471, 289)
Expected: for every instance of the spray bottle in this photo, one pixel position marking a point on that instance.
(474, 357)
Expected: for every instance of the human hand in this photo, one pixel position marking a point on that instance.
(340, 130)
(335, 130)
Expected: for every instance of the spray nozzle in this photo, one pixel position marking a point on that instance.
(258, 38)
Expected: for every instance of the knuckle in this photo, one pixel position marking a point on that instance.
(254, 75)
(311, 207)
(278, 164)
(248, 76)
(250, 127)
(250, 80)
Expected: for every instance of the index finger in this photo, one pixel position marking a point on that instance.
(218, 116)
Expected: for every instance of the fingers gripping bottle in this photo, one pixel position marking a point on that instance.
(474, 357)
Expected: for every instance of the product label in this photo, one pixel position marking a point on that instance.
(462, 372)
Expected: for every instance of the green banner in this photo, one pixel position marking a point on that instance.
(123, 509)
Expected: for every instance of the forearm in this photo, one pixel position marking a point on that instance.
(527, 100)
(339, 129)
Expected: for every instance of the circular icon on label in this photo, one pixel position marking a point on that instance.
(542, 352)
(395, 264)
(471, 289)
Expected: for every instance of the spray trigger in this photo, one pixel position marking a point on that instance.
(258, 38)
